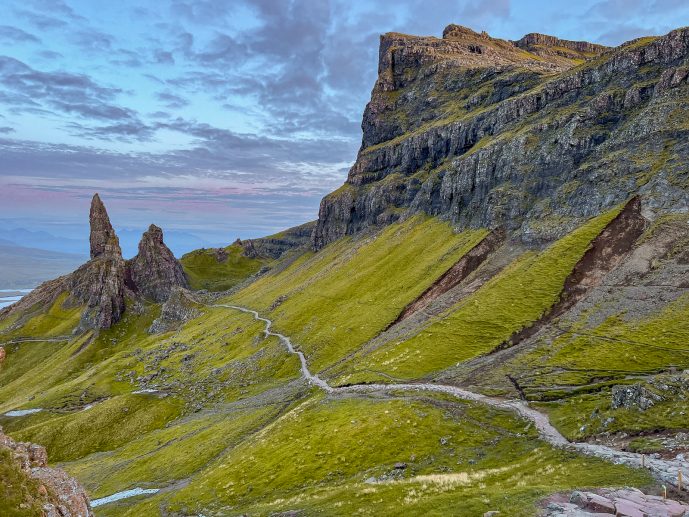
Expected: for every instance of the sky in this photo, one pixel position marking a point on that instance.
(218, 119)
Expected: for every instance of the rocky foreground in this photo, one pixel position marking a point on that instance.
(627, 502)
(49, 489)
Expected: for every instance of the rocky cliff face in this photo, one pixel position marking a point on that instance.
(155, 271)
(534, 136)
(50, 491)
(274, 246)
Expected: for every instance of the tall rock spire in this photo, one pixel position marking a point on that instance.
(103, 239)
(99, 284)
(155, 271)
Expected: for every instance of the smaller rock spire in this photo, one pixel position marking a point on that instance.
(155, 271)
(103, 239)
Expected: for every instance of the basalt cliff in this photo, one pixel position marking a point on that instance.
(534, 135)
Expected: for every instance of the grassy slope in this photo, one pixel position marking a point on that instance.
(614, 352)
(512, 300)
(344, 295)
(224, 359)
(205, 272)
(317, 456)
(169, 454)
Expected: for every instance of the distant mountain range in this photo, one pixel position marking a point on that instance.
(24, 267)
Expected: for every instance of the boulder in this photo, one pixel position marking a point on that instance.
(633, 396)
(180, 307)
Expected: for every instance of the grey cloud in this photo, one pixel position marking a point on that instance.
(172, 101)
(27, 89)
(16, 35)
(163, 57)
(93, 41)
(6, 130)
(50, 54)
(41, 21)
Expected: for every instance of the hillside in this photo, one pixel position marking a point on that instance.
(491, 313)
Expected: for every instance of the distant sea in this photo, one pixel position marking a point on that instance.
(10, 296)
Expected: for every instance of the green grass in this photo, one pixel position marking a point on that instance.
(462, 459)
(19, 496)
(515, 298)
(105, 426)
(165, 455)
(204, 271)
(337, 299)
(55, 321)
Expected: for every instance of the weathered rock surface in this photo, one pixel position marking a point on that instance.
(180, 307)
(274, 246)
(633, 396)
(102, 238)
(155, 271)
(627, 502)
(473, 129)
(62, 495)
(99, 284)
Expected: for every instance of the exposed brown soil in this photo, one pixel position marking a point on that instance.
(607, 250)
(454, 276)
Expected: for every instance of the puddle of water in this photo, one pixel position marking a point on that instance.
(123, 495)
(23, 412)
(147, 390)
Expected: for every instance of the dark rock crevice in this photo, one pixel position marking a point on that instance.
(455, 275)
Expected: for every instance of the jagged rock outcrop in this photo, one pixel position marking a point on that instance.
(633, 396)
(57, 493)
(105, 282)
(155, 271)
(99, 284)
(545, 45)
(180, 307)
(492, 139)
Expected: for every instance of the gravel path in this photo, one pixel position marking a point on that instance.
(664, 470)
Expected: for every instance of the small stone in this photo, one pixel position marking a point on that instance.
(599, 504)
(400, 465)
(579, 498)
(491, 513)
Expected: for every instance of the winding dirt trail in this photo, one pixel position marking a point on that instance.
(666, 471)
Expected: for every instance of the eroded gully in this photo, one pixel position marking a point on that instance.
(665, 471)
